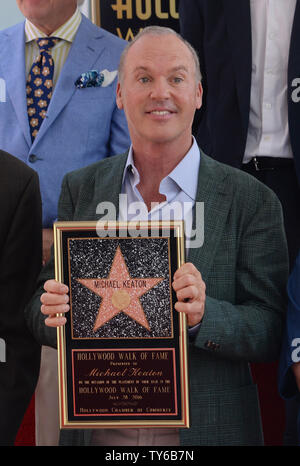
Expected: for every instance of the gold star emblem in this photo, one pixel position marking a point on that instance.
(31, 111)
(42, 103)
(38, 92)
(38, 82)
(34, 122)
(120, 293)
(43, 42)
(48, 83)
(46, 71)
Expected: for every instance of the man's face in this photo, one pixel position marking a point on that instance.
(46, 11)
(158, 90)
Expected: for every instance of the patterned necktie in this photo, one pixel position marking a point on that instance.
(40, 84)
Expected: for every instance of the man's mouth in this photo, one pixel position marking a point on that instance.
(162, 112)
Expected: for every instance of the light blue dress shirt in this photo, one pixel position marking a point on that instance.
(180, 189)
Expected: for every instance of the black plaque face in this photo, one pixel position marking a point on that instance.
(123, 351)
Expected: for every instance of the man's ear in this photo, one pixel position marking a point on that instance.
(199, 95)
(119, 97)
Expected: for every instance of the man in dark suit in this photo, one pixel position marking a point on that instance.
(20, 264)
(289, 367)
(249, 57)
(232, 288)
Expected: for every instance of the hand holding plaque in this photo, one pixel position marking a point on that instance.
(190, 293)
(123, 338)
(55, 303)
(188, 285)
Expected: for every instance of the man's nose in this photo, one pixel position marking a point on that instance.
(160, 89)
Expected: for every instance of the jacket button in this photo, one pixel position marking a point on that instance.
(32, 158)
(211, 345)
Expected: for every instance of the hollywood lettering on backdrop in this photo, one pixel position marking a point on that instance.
(126, 18)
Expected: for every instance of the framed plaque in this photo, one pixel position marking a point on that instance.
(122, 355)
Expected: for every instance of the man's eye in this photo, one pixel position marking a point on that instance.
(177, 80)
(144, 80)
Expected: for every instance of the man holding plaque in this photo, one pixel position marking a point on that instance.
(232, 287)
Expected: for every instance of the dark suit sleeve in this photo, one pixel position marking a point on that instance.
(20, 263)
(35, 319)
(290, 352)
(192, 25)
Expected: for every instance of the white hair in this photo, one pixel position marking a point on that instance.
(157, 31)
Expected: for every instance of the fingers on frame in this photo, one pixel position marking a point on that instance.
(53, 310)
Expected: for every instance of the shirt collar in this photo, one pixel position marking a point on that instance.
(185, 174)
(65, 32)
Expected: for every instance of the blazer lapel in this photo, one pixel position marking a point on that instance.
(84, 51)
(238, 19)
(109, 183)
(13, 71)
(106, 189)
(216, 194)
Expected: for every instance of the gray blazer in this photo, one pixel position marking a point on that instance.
(244, 264)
